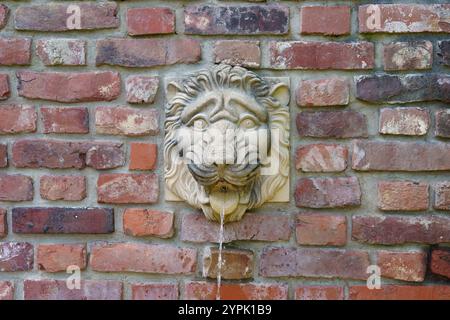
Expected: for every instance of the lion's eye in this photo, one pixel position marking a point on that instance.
(248, 123)
(200, 124)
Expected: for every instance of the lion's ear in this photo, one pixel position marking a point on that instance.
(280, 91)
(172, 89)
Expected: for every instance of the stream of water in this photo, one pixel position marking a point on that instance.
(219, 258)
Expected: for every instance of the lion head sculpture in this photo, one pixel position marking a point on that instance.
(226, 130)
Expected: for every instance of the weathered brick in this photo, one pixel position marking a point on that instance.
(65, 120)
(332, 124)
(127, 188)
(319, 293)
(406, 266)
(400, 156)
(442, 195)
(328, 192)
(321, 157)
(47, 289)
(440, 262)
(4, 15)
(143, 156)
(327, 20)
(400, 292)
(3, 223)
(444, 52)
(17, 119)
(323, 92)
(69, 87)
(57, 257)
(4, 87)
(154, 291)
(246, 20)
(236, 264)
(58, 154)
(3, 155)
(6, 287)
(126, 121)
(391, 230)
(141, 89)
(197, 290)
(65, 52)
(148, 258)
(442, 120)
(404, 121)
(63, 17)
(62, 220)
(403, 18)
(16, 187)
(142, 222)
(147, 52)
(15, 51)
(67, 188)
(408, 55)
(257, 227)
(321, 55)
(16, 256)
(238, 53)
(323, 263)
(393, 89)
(403, 196)
(142, 21)
(321, 229)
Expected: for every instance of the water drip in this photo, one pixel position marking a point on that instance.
(219, 258)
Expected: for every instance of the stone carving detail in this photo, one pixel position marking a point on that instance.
(226, 140)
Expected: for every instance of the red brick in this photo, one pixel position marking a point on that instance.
(3, 155)
(332, 124)
(65, 52)
(17, 119)
(6, 288)
(444, 52)
(442, 195)
(54, 16)
(256, 227)
(327, 20)
(319, 293)
(404, 121)
(58, 154)
(142, 21)
(321, 157)
(403, 18)
(322, 263)
(401, 292)
(400, 156)
(321, 55)
(62, 220)
(126, 121)
(57, 257)
(403, 196)
(407, 266)
(323, 92)
(135, 257)
(197, 290)
(391, 230)
(242, 19)
(69, 87)
(15, 51)
(142, 222)
(16, 256)
(154, 291)
(4, 86)
(321, 229)
(65, 120)
(3, 223)
(16, 187)
(147, 52)
(408, 55)
(440, 262)
(127, 188)
(236, 264)
(442, 119)
(141, 89)
(238, 53)
(47, 289)
(4, 15)
(143, 156)
(328, 192)
(67, 188)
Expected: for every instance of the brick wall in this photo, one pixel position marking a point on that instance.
(81, 131)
